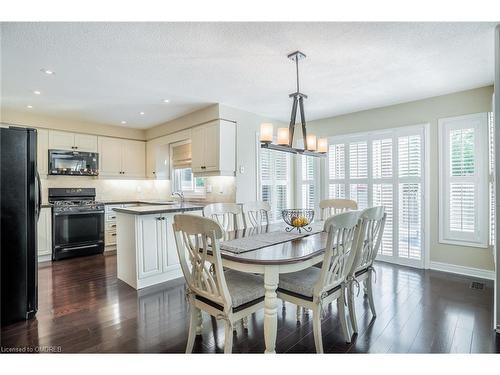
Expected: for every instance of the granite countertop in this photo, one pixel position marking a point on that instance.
(159, 209)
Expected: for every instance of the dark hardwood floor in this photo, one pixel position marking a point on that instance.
(84, 308)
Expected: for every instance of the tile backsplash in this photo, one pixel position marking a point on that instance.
(223, 188)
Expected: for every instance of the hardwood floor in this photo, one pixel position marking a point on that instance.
(84, 308)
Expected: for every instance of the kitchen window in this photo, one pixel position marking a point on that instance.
(384, 168)
(182, 175)
(463, 180)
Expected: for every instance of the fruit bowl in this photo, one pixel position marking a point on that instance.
(299, 219)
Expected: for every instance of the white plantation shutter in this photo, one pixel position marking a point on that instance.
(307, 180)
(463, 180)
(492, 205)
(384, 168)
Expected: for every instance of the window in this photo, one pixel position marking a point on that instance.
(275, 181)
(182, 175)
(463, 176)
(384, 168)
(307, 181)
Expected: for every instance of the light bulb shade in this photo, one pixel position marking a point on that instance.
(283, 136)
(311, 142)
(266, 132)
(322, 145)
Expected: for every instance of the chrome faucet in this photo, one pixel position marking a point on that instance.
(180, 194)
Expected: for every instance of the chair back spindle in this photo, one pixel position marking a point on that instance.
(228, 215)
(372, 223)
(331, 207)
(256, 213)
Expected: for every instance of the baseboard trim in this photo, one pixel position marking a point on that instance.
(462, 270)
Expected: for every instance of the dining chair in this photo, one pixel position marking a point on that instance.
(331, 207)
(314, 287)
(256, 213)
(227, 295)
(228, 215)
(372, 223)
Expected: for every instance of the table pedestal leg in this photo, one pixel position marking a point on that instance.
(271, 279)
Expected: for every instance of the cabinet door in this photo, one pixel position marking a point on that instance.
(198, 149)
(151, 159)
(85, 142)
(110, 156)
(133, 159)
(42, 159)
(44, 232)
(151, 245)
(171, 248)
(61, 140)
(211, 149)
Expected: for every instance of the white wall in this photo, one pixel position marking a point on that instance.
(418, 112)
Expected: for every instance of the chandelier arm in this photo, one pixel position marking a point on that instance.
(293, 117)
(303, 121)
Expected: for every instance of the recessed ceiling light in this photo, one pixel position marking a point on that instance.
(36, 92)
(124, 122)
(29, 106)
(166, 100)
(47, 71)
(141, 113)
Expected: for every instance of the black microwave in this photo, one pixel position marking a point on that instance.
(73, 163)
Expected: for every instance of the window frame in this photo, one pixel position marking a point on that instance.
(480, 237)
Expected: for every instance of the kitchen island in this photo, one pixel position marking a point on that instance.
(145, 245)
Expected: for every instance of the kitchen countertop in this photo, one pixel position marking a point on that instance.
(159, 209)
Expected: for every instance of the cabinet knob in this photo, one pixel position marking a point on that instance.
(154, 172)
(203, 167)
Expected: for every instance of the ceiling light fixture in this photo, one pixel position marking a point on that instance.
(166, 100)
(29, 106)
(312, 145)
(36, 92)
(124, 122)
(141, 113)
(47, 71)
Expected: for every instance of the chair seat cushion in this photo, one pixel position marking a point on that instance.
(300, 282)
(244, 287)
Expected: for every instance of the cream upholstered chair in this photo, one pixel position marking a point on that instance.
(227, 295)
(331, 207)
(228, 215)
(314, 287)
(372, 223)
(256, 213)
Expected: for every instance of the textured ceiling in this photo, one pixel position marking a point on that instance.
(109, 72)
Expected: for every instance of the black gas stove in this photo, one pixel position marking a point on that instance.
(77, 222)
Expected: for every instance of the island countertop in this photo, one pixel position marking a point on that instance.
(159, 209)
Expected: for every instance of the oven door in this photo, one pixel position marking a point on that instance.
(77, 233)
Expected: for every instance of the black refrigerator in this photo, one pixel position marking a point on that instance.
(19, 211)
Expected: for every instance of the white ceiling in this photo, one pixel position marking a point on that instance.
(109, 72)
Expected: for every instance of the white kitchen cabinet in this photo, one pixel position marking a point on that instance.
(157, 160)
(59, 140)
(44, 233)
(152, 246)
(121, 158)
(42, 160)
(214, 149)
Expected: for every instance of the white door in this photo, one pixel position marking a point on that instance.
(212, 146)
(61, 140)
(110, 156)
(150, 246)
(171, 249)
(198, 149)
(42, 151)
(85, 142)
(133, 159)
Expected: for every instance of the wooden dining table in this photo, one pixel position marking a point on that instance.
(271, 261)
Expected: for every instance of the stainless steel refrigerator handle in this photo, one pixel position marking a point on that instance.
(39, 205)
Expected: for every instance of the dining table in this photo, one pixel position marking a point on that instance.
(291, 255)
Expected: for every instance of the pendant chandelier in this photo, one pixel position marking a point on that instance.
(284, 141)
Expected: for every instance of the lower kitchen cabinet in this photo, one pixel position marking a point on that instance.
(45, 235)
(146, 250)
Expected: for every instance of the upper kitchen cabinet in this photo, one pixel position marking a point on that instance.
(157, 160)
(214, 149)
(42, 159)
(72, 141)
(121, 158)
